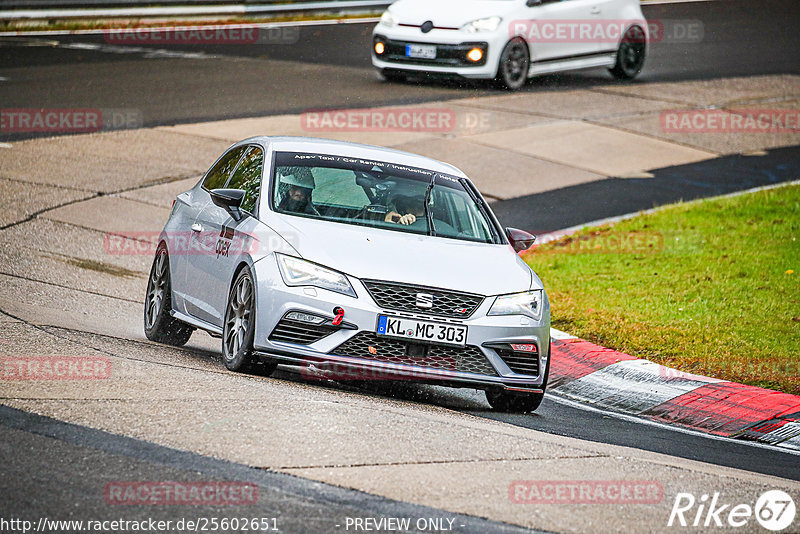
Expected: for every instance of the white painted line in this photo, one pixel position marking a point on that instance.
(635, 419)
(3, 79)
(657, 2)
(5, 145)
(558, 334)
(550, 236)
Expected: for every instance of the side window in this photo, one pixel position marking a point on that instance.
(218, 175)
(248, 177)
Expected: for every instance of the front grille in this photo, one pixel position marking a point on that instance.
(524, 364)
(300, 333)
(368, 346)
(404, 298)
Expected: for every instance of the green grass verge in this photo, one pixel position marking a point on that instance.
(709, 287)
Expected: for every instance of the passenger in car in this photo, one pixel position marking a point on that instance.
(297, 198)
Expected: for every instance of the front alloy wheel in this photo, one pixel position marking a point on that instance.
(512, 72)
(239, 328)
(517, 402)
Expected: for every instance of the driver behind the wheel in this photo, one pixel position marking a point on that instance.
(297, 198)
(409, 208)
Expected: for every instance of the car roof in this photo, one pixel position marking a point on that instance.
(345, 148)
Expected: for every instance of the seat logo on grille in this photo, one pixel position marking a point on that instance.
(424, 300)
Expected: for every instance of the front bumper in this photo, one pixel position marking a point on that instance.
(353, 351)
(452, 47)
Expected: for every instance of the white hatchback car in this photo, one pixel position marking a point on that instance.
(364, 262)
(510, 40)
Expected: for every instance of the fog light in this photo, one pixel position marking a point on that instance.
(380, 48)
(305, 318)
(524, 347)
(476, 54)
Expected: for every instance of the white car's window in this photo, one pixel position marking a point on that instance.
(219, 173)
(247, 176)
(378, 194)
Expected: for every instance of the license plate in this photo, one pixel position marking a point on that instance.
(411, 329)
(421, 51)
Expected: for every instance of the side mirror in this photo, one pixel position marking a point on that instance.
(230, 200)
(520, 239)
(531, 3)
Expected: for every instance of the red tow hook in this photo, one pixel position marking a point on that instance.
(339, 312)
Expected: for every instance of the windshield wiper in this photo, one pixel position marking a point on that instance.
(428, 212)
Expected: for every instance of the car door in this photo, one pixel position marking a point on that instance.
(227, 240)
(553, 29)
(201, 241)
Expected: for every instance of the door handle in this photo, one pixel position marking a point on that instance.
(197, 227)
(595, 11)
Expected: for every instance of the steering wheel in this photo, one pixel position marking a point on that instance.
(372, 212)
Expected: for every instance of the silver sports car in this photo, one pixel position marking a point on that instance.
(355, 262)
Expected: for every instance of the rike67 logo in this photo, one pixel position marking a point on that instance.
(774, 510)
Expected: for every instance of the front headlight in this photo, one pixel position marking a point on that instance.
(297, 272)
(529, 303)
(389, 19)
(489, 24)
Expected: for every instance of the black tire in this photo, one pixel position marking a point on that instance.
(630, 54)
(515, 61)
(239, 328)
(513, 402)
(159, 325)
(394, 76)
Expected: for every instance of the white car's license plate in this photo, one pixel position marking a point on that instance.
(400, 327)
(421, 51)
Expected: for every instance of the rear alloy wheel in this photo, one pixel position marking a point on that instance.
(515, 61)
(630, 55)
(159, 325)
(239, 329)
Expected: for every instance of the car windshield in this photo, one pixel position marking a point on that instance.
(378, 194)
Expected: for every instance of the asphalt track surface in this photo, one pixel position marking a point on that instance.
(328, 68)
(58, 467)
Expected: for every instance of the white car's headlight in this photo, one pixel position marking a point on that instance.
(488, 24)
(297, 272)
(529, 303)
(389, 19)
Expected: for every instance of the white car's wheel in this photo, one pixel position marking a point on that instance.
(393, 76)
(239, 328)
(630, 55)
(159, 325)
(509, 401)
(515, 61)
